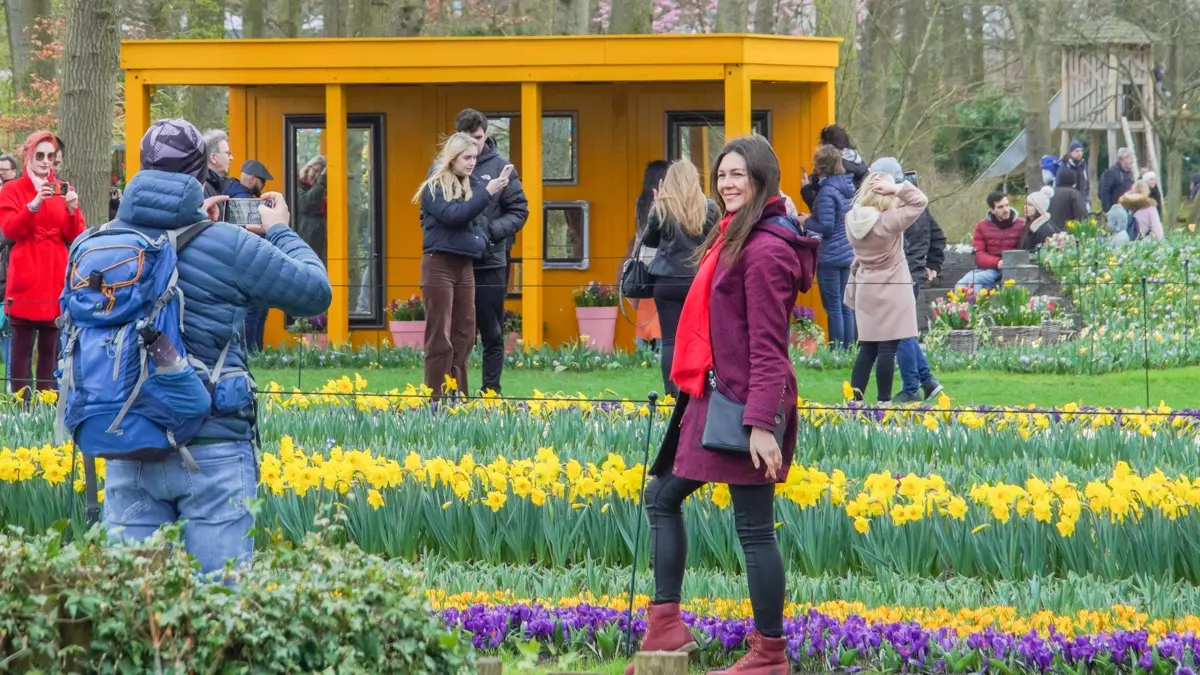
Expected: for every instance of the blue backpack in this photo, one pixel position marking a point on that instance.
(120, 291)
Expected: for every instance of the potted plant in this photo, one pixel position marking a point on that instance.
(596, 311)
(1011, 315)
(512, 331)
(805, 331)
(1055, 325)
(407, 322)
(313, 330)
(954, 315)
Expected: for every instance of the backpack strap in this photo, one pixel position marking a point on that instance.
(183, 238)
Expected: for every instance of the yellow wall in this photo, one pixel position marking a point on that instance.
(620, 128)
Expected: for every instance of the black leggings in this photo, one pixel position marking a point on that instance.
(669, 294)
(882, 355)
(754, 518)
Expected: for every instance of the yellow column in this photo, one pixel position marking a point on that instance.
(737, 102)
(822, 107)
(239, 139)
(338, 212)
(532, 235)
(137, 121)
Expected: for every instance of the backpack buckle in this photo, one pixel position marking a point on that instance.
(96, 280)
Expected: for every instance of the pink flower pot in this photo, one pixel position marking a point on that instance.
(318, 340)
(598, 325)
(407, 334)
(511, 342)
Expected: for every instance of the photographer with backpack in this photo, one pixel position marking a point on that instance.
(154, 380)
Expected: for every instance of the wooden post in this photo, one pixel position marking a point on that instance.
(137, 121)
(661, 663)
(489, 666)
(737, 102)
(338, 213)
(532, 237)
(1093, 165)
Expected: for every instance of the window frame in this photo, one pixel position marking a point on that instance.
(690, 118)
(562, 205)
(574, 115)
(376, 123)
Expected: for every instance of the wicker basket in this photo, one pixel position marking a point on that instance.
(964, 341)
(1055, 331)
(1010, 336)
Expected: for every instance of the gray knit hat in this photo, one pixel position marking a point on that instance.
(1118, 219)
(175, 146)
(890, 166)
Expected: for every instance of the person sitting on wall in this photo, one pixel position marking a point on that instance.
(1002, 230)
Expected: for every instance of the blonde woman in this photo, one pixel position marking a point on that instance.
(1143, 209)
(677, 224)
(453, 202)
(880, 289)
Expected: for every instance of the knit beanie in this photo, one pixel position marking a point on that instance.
(175, 146)
(890, 166)
(1075, 145)
(1039, 200)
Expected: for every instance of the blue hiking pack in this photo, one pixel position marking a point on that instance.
(120, 291)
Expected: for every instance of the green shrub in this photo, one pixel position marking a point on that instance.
(87, 606)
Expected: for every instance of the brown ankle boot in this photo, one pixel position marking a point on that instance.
(767, 656)
(666, 632)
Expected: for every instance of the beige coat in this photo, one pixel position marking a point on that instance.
(880, 289)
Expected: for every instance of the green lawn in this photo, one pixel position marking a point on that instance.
(1177, 387)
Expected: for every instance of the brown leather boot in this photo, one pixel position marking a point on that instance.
(767, 656)
(666, 632)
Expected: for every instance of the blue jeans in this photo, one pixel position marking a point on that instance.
(914, 368)
(979, 279)
(253, 328)
(140, 497)
(832, 281)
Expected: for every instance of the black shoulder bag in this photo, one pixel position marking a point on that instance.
(724, 429)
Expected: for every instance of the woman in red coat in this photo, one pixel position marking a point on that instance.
(755, 262)
(42, 223)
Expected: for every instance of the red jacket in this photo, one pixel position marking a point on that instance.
(992, 240)
(39, 255)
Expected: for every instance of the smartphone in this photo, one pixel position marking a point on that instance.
(61, 188)
(506, 171)
(911, 176)
(244, 211)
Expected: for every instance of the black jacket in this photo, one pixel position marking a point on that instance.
(924, 246)
(1081, 170)
(1066, 205)
(1114, 182)
(455, 226)
(1033, 239)
(675, 247)
(506, 214)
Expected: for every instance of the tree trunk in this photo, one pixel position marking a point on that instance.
(764, 16)
(408, 18)
(253, 18)
(630, 17)
(205, 106)
(955, 45)
(975, 58)
(912, 106)
(876, 73)
(291, 19)
(335, 18)
(1027, 21)
(732, 16)
(34, 10)
(89, 94)
(19, 46)
(372, 18)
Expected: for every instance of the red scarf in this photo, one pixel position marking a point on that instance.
(693, 338)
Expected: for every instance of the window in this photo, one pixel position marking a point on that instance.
(560, 157)
(306, 190)
(515, 275)
(699, 136)
(565, 239)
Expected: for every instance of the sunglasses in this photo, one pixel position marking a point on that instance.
(44, 156)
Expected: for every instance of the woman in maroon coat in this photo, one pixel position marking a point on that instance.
(754, 263)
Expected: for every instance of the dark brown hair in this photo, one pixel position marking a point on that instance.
(827, 161)
(762, 167)
(837, 137)
(469, 121)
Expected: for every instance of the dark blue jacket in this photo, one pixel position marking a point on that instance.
(457, 226)
(833, 201)
(223, 271)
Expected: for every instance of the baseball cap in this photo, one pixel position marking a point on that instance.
(255, 168)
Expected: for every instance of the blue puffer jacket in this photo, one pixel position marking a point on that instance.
(829, 220)
(223, 271)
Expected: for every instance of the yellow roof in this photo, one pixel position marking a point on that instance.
(582, 58)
